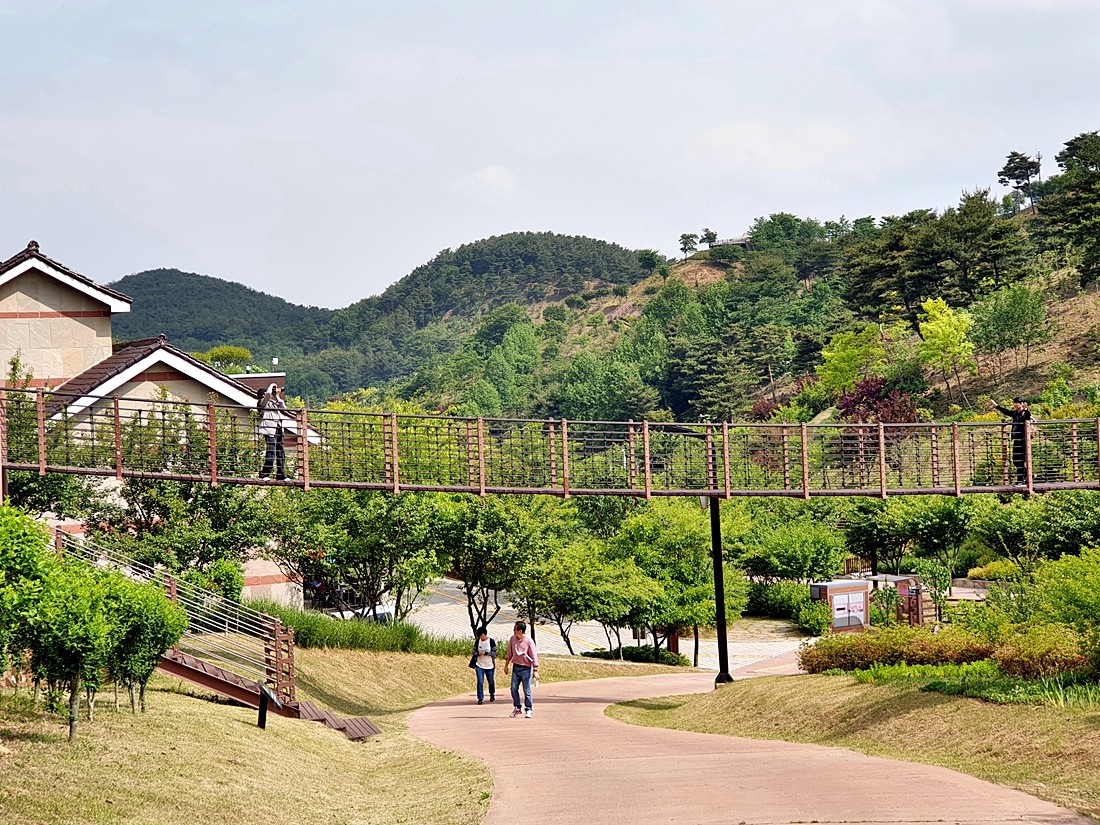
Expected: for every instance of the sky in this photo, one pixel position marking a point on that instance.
(320, 151)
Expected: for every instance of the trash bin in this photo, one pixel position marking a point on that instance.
(848, 600)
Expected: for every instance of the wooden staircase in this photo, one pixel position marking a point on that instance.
(247, 692)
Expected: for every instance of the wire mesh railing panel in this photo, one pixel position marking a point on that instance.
(517, 454)
(765, 458)
(219, 631)
(841, 458)
(438, 451)
(353, 447)
(603, 456)
(684, 458)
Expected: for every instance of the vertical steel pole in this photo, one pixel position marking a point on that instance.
(726, 459)
(40, 404)
(481, 456)
(805, 463)
(396, 458)
(565, 458)
(3, 446)
(118, 439)
(303, 447)
(882, 460)
(719, 595)
(1027, 459)
(955, 457)
(211, 443)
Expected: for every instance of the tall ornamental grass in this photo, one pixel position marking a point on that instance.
(314, 629)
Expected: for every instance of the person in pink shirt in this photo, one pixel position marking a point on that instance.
(524, 661)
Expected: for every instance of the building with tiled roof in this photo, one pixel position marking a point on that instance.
(57, 320)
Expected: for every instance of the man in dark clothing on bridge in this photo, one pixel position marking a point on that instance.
(1021, 419)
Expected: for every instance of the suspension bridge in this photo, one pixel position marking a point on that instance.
(48, 432)
(141, 438)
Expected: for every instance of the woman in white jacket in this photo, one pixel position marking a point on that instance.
(272, 409)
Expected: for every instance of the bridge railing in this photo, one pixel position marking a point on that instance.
(214, 443)
(246, 642)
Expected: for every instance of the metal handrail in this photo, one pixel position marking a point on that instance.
(219, 443)
(243, 652)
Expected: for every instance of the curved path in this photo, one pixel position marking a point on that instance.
(572, 764)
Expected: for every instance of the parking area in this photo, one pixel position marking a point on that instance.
(443, 612)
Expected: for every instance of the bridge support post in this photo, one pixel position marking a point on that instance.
(3, 447)
(719, 595)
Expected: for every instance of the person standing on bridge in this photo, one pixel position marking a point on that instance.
(1021, 419)
(272, 409)
(524, 661)
(484, 662)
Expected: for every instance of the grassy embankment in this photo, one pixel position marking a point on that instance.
(1051, 753)
(193, 760)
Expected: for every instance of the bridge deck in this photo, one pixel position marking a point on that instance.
(141, 438)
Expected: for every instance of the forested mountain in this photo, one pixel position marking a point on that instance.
(197, 312)
(895, 318)
(381, 337)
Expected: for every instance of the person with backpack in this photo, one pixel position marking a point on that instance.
(484, 662)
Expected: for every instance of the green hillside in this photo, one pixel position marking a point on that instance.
(382, 337)
(893, 318)
(197, 312)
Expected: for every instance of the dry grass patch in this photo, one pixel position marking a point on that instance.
(1051, 753)
(191, 759)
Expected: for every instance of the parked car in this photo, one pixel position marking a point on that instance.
(380, 613)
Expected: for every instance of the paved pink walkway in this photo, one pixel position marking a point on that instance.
(570, 764)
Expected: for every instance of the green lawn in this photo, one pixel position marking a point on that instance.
(192, 760)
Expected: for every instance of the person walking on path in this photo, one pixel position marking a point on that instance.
(524, 661)
(484, 662)
(272, 409)
(1021, 419)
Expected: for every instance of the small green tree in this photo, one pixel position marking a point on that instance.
(144, 625)
(687, 243)
(945, 342)
(482, 540)
(1018, 172)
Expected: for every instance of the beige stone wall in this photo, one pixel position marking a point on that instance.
(264, 579)
(58, 331)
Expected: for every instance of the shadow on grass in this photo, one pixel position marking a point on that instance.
(9, 735)
(655, 704)
(341, 704)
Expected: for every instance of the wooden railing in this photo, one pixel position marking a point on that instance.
(216, 444)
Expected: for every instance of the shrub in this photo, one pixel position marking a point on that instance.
(981, 619)
(1042, 651)
(884, 606)
(576, 302)
(224, 577)
(643, 653)
(556, 313)
(763, 409)
(779, 600)
(997, 570)
(815, 617)
(892, 645)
